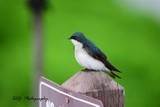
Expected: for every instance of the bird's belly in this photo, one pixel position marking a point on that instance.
(89, 62)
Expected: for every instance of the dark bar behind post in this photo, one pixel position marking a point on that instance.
(37, 7)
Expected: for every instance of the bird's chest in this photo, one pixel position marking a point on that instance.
(83, 58)
(80, 54)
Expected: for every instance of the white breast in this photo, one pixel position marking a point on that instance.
(85, 60)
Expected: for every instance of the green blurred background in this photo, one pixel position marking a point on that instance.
(130, 38)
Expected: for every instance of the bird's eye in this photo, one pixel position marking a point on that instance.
(73, 37)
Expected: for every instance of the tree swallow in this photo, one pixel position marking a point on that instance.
(90, 56)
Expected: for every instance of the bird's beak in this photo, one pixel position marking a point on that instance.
(69, 38)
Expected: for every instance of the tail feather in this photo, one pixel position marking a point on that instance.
(113, 75)
(117, 70)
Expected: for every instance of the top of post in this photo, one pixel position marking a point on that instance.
(97, 85)
(84, 82)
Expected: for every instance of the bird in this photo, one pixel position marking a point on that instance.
(89, 56)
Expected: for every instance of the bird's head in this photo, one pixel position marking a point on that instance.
(78, 38)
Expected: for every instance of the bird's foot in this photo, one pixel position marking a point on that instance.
(86, 70)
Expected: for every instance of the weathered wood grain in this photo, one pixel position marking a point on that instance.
(97, 85)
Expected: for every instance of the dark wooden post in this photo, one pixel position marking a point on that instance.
(97, 85)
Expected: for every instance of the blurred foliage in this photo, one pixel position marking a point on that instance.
(131, 41)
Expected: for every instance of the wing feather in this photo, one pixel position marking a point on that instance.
(98, 54)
